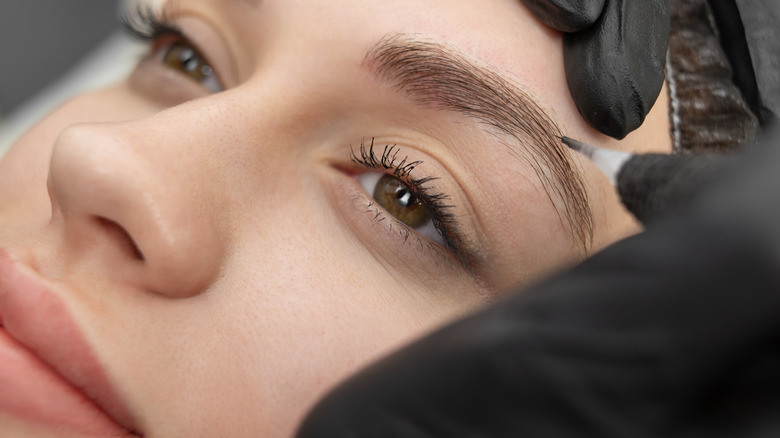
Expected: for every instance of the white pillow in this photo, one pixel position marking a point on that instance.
(111, 61)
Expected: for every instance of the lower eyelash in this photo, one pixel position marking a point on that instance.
(405, 232)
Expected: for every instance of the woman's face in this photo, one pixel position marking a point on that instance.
(208, 264)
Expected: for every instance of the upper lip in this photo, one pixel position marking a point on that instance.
(32, 313)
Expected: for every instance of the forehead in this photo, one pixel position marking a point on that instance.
(502, 33)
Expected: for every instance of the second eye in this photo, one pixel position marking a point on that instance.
(181, 56)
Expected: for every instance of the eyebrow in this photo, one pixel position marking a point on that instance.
(440, 77)
(250, 3)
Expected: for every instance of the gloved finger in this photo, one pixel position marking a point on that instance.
(566, 15)
(615, 68)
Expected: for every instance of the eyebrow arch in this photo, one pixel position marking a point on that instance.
(434, 75)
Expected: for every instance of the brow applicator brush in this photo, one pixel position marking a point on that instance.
(651, 184)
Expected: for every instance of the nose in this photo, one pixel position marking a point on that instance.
(119, 189)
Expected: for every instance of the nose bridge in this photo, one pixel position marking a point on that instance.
(132, 178)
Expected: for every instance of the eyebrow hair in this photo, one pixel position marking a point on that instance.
(437, 76)
(251, 3)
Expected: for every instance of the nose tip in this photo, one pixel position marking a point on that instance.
(105, 181)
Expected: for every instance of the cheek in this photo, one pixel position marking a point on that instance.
(286, 334)
(300, 304)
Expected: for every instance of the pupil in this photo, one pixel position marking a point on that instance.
(404, 197)
(399, 200)
(188, 60)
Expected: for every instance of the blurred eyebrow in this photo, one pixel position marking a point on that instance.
(253, 4)
(437, 76)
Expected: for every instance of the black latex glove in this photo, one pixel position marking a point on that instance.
(672, 333)
(614, 55)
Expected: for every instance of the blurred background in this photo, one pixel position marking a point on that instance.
(52, 49)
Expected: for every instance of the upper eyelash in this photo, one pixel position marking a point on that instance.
(146, 23)
(388, 160)
(443, 219)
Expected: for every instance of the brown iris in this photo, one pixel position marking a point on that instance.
(184, 58)
(396, 197)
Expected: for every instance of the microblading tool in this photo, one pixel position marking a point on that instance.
(650, 184)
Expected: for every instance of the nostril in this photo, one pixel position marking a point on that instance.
(119, 235)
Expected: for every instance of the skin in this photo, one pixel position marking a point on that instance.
(265, 278)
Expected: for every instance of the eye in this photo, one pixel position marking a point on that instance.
(401, 202)
(180, 55)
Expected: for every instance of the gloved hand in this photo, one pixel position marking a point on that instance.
(675, 332)
(614, 55)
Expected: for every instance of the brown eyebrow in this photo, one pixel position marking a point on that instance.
(250, 3)
(434, 75)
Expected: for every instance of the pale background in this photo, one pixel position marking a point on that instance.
(52, 49)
